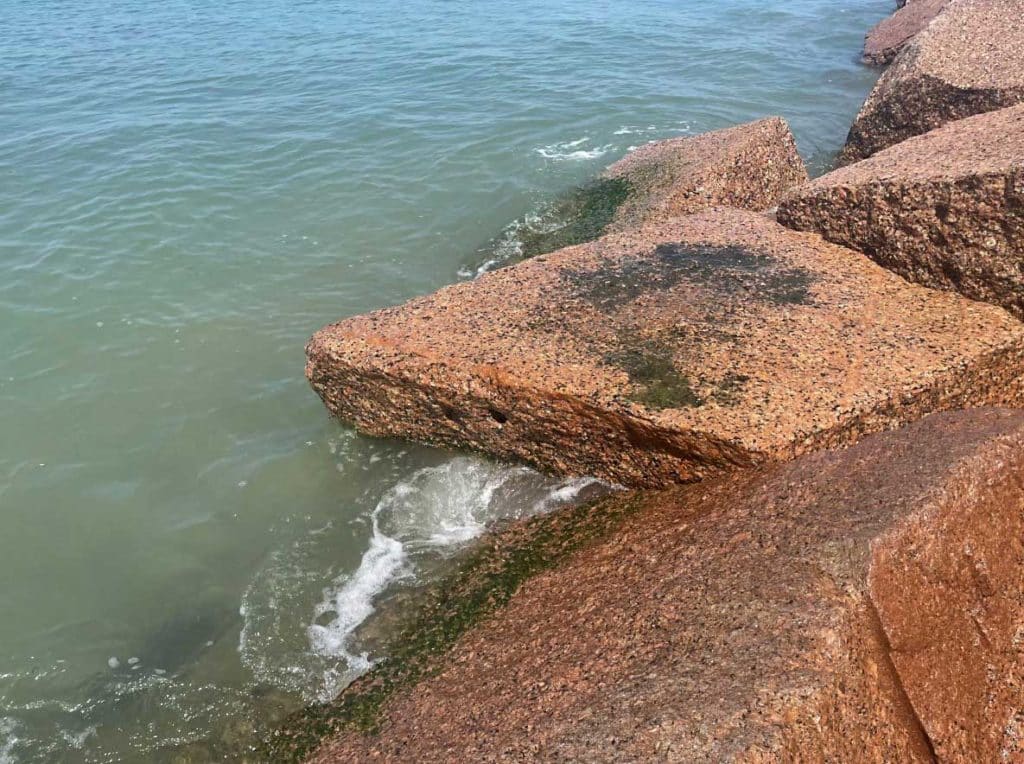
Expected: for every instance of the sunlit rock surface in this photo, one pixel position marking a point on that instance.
(749, 166)
(858, 605)
(889, 36)
(945, 209)
(969, 60)
(668, 354)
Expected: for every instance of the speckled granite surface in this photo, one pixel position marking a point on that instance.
(749, 166)
(969, 60)
(889, 36)
(668, 354)
(945, 209)
(854, 606)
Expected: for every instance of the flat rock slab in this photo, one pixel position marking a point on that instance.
(889, 36)
(945, 209)
(969, 60)
(750, 166)
(668, 354)
(865, 605)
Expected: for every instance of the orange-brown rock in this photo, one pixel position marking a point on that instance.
(750, 166)
(668, 354)
(865, 605)
(889, 36)
(969, 60)
(945, 209)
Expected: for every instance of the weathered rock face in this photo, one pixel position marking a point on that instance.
(749, 166)
(945, 209)
(864, 605)
(888, 37)
(668, 354)
(969, 60)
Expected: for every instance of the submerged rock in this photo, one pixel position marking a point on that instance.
(858, 605)
(889, 36)
(969, 60)
(668, 354)
(945, 209)
(749, 166)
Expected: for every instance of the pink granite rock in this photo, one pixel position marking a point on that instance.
(864, 605)
(945, 209)
(750, 166)
(668, 354)
(969, 60)
(889, 36)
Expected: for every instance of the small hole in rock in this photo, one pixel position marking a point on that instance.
(497, 416)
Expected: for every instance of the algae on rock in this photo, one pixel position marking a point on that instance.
(484, 581)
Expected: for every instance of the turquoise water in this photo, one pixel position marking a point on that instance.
(187, 191)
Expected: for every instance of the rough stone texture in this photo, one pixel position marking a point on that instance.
(865, 605)
(750, 166)
(889, 36)
(945, 209)
(969, 60)
(668, 354)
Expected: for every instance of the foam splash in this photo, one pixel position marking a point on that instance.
(8, 740)
(351, 601)
(657, 131)
(434, 511)
(75, 740)
(572, 151)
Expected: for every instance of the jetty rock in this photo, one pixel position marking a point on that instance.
(864, 605)
(945, 209)
(668, 354)
(889, 36)
(749, 166)
(969, 60)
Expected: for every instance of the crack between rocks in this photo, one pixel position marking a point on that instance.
(898, 681)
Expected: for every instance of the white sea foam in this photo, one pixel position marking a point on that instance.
(573, 156)
(509, 245)
(351, 598)
(572, 151)
(76, 739)
(8, 740)
(434, 511)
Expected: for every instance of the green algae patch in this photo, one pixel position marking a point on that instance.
(580, 216)
(650, 367)
(484, 580)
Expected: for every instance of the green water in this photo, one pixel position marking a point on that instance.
(187, 191)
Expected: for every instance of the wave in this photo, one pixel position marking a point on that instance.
(433, 512)
(571, 151)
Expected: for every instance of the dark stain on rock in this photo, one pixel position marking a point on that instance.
(580, 216)
(728, 389)
(725, 271)
(650, 366)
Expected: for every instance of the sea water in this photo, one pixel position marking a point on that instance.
(189, 189)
